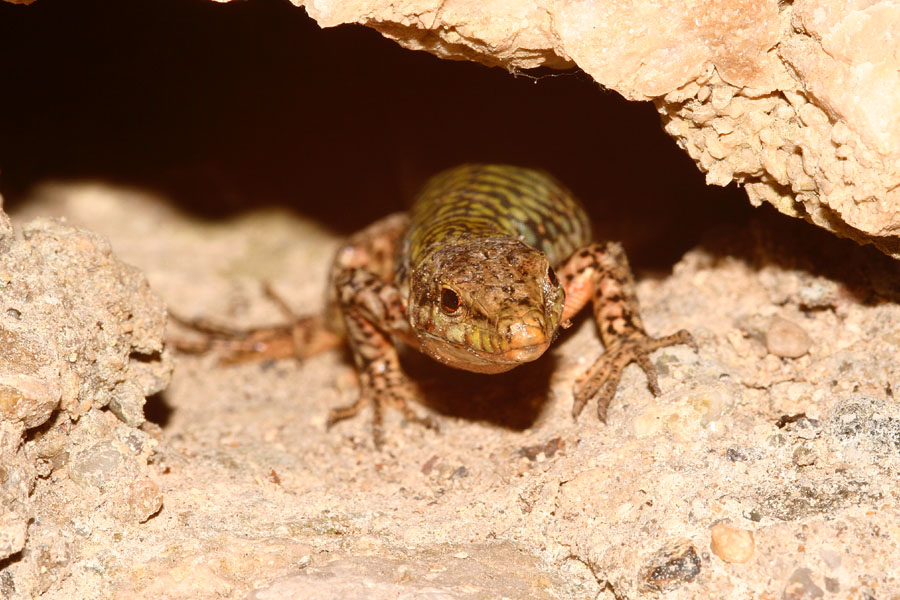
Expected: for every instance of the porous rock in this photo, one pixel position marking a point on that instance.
(263, 500)
(794, 100)
(79, 331)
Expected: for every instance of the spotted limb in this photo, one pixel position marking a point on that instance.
(482, 272)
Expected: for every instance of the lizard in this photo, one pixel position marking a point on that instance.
(482, 272)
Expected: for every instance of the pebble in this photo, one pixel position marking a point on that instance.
(830, 557)
(97, 466)
(800, 586)
(671, 567)
(804, 456)
(730, 544)
(26, 395)
(140, 500)
(787, 339)
(13, 530)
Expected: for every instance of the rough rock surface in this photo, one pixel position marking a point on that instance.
(82, 338)
(795, 100)
(754, 475)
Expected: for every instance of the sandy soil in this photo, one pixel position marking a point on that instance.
(767, 469)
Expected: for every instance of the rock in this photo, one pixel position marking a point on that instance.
(78, 330)
(670, 567)
(475, 573)
(800, 586)
(128, 403)
(730, 544)
(787, 339)
(585, 521)
(13, 528)
(804, 456)
(869, 424)
(139, 501)
(795, 100)
(97, 466)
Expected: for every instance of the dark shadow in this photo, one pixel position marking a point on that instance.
(7, 583)
(227, 107)
(158, 410)
(41, 430)
(513, 400)
(769, 238)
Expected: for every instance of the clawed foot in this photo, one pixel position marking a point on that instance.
(382, 385)
(602, 379)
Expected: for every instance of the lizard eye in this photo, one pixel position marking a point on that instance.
(551, 276)
(449, 301)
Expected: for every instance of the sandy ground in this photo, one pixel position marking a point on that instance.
(766, 469)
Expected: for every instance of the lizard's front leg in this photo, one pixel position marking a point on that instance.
(373, 311)
(600, 274)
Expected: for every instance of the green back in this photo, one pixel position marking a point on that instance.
(497, 201)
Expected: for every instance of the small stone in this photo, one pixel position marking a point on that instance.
(800, 586)
(736, 455)
(547, 450)
(804, 456)
(818, 295)
(128, 402)
(831, 557)
(28, 398)
(670, 567)
(429, 464)
(131, 438)
(787, 339)
(97, 466)
(459, 473)
(140, 501)
(730, 544)
(806, 428)
(13, 529)
(7, 584)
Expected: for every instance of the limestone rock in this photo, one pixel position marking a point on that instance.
(798, 457)
(77, 327)
(794, 100)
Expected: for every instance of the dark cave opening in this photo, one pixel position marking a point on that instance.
(223, 107)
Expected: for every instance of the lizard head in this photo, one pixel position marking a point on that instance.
(485, 305)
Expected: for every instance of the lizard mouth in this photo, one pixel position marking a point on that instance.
(468, 358)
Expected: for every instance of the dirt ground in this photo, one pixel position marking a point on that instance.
(766, 469)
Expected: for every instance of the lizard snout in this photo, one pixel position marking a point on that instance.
(526, 331)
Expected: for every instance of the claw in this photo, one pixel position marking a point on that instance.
(579, 403)
(601, 380)
(426, 422)
(642, 358)
(382, 384)
(604, 399)
(340, 413)
(377, 425)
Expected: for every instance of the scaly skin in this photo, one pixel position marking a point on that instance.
(480, 275)
(490, 262)
(487, 237)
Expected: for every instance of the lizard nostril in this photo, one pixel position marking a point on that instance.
(551, 276)
(527, 331)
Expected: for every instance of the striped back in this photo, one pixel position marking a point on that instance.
(497, 201)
